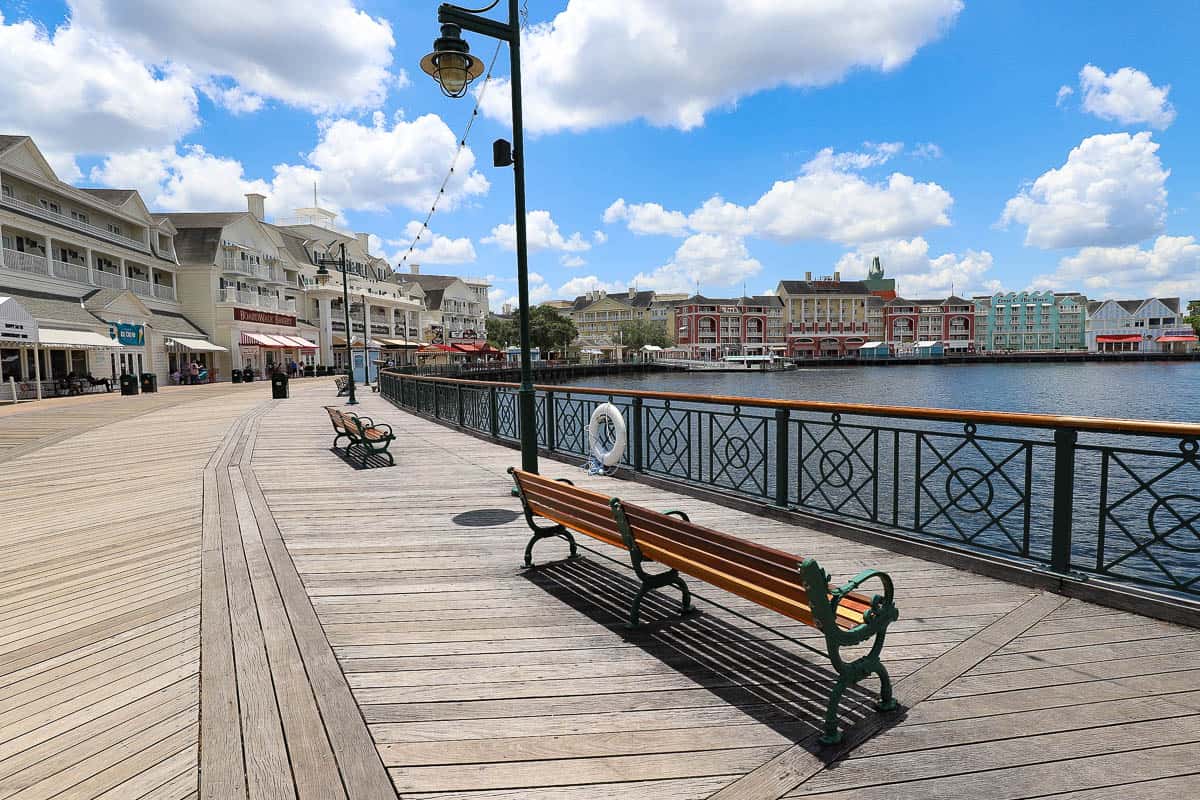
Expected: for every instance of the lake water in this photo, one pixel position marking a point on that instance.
(1160, 391)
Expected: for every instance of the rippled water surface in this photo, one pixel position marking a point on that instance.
(1163, 391)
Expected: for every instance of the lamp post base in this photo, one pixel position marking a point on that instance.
(527, 413)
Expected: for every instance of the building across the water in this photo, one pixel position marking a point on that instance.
(829, 317)
(1150, 325)
(1030, 321)
(709, 328)
(949, 322)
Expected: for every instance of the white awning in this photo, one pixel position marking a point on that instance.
(198, 345)
(927, 344)
(265, 340)
(83, 340)
(298, 341)
(871, 345)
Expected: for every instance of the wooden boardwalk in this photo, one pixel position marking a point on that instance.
(201, 599)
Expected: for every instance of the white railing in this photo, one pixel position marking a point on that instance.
(258, 271)
(79, 225)
(26, 262)
(71, 272)
(163, 292)
(140, 287)
(108, 280)
(268, 301)
(287, 305)
(246, 298)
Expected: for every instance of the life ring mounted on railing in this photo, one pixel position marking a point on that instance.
(610, 413)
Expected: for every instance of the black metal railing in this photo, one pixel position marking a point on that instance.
(1112, 498)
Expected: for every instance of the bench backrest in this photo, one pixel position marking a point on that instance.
(765, 575)
(343, 421)
(581, 510)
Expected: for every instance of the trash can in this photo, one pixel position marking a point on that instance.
(279, 386)
(149, 383)
(235, 375)
(309, 371)
(129, 384)
(247, 376)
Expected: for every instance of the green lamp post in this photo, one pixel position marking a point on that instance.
(322, 281)
(454, 68)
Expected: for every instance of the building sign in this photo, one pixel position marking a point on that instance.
(263, 317)
(468, 333)
(127, 334)
(435, 334)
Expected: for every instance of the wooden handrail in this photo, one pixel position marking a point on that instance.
(1183, 430)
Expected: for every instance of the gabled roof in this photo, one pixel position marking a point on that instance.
(197, 245)
(55, 307)
(294, 245)
(203, 219)
(8, 141)
(428, 282)
(115, 197)
(433, 299)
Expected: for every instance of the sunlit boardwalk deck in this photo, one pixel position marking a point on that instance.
(201, 599)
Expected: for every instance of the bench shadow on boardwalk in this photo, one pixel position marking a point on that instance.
(775, 686)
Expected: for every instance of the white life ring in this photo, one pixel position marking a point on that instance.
(610, 412)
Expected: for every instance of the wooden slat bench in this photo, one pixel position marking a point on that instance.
(342, 382)
(372, 437)
(777, 580)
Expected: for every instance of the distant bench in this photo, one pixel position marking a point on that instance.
(361, 431)
(798, 589)
(342, 382)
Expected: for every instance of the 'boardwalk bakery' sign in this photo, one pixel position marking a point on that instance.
(265, 317)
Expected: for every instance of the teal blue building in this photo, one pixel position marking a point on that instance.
(1030, 321)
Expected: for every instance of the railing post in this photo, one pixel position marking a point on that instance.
(459, 402)
(493, 412)
(638, 454)
(548, 422)
(1064, 499)
(437, 401)
(782, 457)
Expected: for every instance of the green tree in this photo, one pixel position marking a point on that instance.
(503, 332)
(637, 333)
(1193, 317)
(549, 330)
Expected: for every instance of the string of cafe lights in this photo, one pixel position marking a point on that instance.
(462, 143)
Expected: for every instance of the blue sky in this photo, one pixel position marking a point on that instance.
(904, 129)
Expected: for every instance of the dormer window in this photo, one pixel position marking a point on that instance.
(114, 228)
(51, 206)
(7, 190)
(79, 216)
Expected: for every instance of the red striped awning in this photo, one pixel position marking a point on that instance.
(1119, 338)
(1177, 339)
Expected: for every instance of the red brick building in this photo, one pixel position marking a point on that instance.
(711, 328)
(950, 321)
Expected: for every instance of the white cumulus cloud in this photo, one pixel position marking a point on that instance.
(1169, 267)
(919, 274)
(356, 167)
(1126, 96)
(541, 232)
(79, 93)
(1111, 191)
(830, 200)
(432, 248)
(712, 260)
(670, 62)
(322, 55)
(647, 218)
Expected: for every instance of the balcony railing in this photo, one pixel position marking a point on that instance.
(108, 280)
(26, 262)
(75, 224)
(140, 287)
(79, 273)
(69, 272)
(163, 292)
